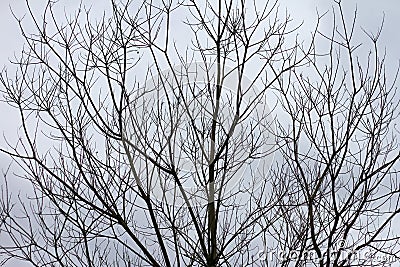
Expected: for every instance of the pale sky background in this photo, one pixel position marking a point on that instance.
(370, 14)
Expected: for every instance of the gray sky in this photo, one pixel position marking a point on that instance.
(370, 14)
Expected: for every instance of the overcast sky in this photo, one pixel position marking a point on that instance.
(370, 14)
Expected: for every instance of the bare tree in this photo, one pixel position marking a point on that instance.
(142, 152)
(339, 149)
